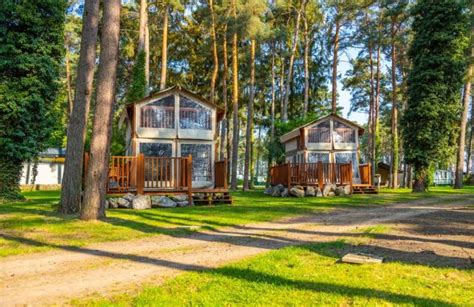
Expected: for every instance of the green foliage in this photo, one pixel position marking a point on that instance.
(430, 124)
(31, 47)
(137, 89)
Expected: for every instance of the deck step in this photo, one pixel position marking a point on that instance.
(364, 190)
(212, 198)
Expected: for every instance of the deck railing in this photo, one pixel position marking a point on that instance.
(313, 174)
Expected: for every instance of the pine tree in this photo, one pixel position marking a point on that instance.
(430, 123)
(31, 49)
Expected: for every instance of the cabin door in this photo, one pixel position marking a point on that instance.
(346, 157)
(202, 163)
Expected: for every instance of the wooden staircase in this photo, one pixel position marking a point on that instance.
(211, 197)
(364, 190)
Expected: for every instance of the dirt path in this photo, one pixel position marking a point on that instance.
(434, 231)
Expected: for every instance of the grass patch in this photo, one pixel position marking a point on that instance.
(307, 275)
(34, 225)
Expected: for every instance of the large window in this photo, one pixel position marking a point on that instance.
(156, 149)
(158, 114)
(346, 157)
(201, 154)
(343, 133)
(320, 133)
(192, 115)
(314, 157)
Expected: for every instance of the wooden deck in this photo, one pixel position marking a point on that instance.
(319, 174)
(163, 176)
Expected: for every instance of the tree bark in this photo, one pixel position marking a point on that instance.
(144, 39)
(335, 62)
(235, 102)
(97, 174)
(70, 98)
(272, 106)
(421, 175)
(394, 181)
(458, 179)
(76, 131)
(147, 55)
(470, 139)
(164, 50)
(376, 111)
(289, 77)
(306, 67)
(224, 133)
(249, 132)
(215, 57)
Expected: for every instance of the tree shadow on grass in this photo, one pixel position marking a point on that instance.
(253, 276)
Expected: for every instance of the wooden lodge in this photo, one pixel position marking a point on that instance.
(171, 148)
(324, 151)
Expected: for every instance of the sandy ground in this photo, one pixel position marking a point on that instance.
(437, 232)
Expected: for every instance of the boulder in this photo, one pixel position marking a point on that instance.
(331, 194)
(284, 193)
(347, 190)
(123, 203)
(327, 188)
(163, 201)
(113, 203)
(180, 197)
(319, 193)
(310, 191)
(277, 190)
(107, 204)
(141, 202)
(268, 191)
(297, 191)
(129, 197)
(339, 191)
(182, 203)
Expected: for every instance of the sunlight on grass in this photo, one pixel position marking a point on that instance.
(307, 275)
(34, 225)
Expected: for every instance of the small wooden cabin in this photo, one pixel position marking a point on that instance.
(170, 146)
(323, 151)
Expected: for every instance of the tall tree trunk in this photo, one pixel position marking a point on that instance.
(164, 49)
(282, 85)
(70, 98)
(289, 77)
(421, 177)
(458, 184)
(76, 131)
(147, 56)
(370, 124)
(272, 106)
(394, 181)
(144, 40)
(376, 111)
(249, 132)
(470, 140)
(306, 68)
(224, 131)
(97, 174)
(215, 57)
(335, 62)
(235, 101)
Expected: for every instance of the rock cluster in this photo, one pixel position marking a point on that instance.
(300, 191)
(142, 202)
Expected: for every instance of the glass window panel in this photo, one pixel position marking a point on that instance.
(156, 149)
(314, 157)
(320, 133)
(201, 153)
(193, 115)
(346, 157)
(158, 114)
(343, 133)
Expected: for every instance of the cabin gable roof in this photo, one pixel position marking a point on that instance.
(297, 131)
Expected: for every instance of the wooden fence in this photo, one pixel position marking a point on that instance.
(311, 174)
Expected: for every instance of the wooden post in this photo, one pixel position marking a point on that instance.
(288, 165)
(320, 174)
(225, 174)
(350, 174)
(140, 173)
(189, 178)
(370, 174)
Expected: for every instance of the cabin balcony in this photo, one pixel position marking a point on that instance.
(162, 176)
(320, 174)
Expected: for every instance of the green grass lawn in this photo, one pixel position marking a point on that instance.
(307, 275)
(34, 225)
